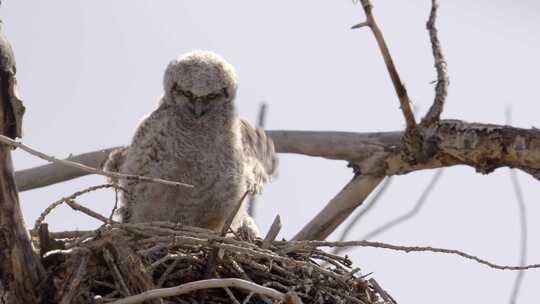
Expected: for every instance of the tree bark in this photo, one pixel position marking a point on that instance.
(20, 268)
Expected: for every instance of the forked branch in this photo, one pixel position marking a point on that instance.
(441, 89)
(401, 92)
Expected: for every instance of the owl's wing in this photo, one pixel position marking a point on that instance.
(261, 161)
(115, 161)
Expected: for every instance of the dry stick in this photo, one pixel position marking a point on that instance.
(398, 85)
(87, 211)
(203, 284)
(272, 233)
(49, 209)
(408, 249)
(339, 208)
(414, 211)
(441, 89)
(73, 288)
(88, 169)
(214, 255)
(386, 297)
(367, 208)
(53, 173)
(118, 279)
(523, 224)
(261, 121)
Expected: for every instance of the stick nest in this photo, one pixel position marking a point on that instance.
(120, 260)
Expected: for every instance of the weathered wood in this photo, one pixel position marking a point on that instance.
(20, 268)
(131, 268)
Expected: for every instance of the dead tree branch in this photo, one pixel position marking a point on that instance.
(367, 208)
(20, 268)
(401, 92)
(339, 208)
(409, 249)
(441, 89)
(53, 173)
(484, 147)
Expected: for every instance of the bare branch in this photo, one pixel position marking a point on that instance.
(453, 142)
(88, 169)
(339, 208)
(382, 189)
(409, 249)
(441, 89)
(50, 208)
(88, 212)
(71, 289)
(272, 233)
(398, 85)
(203, 284)
(53, 173)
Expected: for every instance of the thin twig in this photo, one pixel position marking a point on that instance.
(401, 92)
(73, 288)
(87, 211)
(441, 89)
(414, 211)
(50, 208)
(88, 169)
(118, 279)
(203, 284)
(384, 185)
(232, 215)
(408, 249)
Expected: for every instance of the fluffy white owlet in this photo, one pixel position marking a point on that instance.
(195, 137)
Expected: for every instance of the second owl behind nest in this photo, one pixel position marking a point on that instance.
(195, 137)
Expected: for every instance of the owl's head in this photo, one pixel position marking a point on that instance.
(199, 81)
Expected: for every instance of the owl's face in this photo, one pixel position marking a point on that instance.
(200, 82)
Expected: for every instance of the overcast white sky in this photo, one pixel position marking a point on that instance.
(89, 70)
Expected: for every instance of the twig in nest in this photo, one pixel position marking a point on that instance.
(88, 169)
(118, 279)
(401, 92)
(203, 284)
(72, 288)
(272, 233)
(87, 211)
(441, 89)
(48, 210)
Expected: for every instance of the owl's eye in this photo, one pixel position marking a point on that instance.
(187, 94)
(211, 96)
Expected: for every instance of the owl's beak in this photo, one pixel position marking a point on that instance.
(198, 108)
